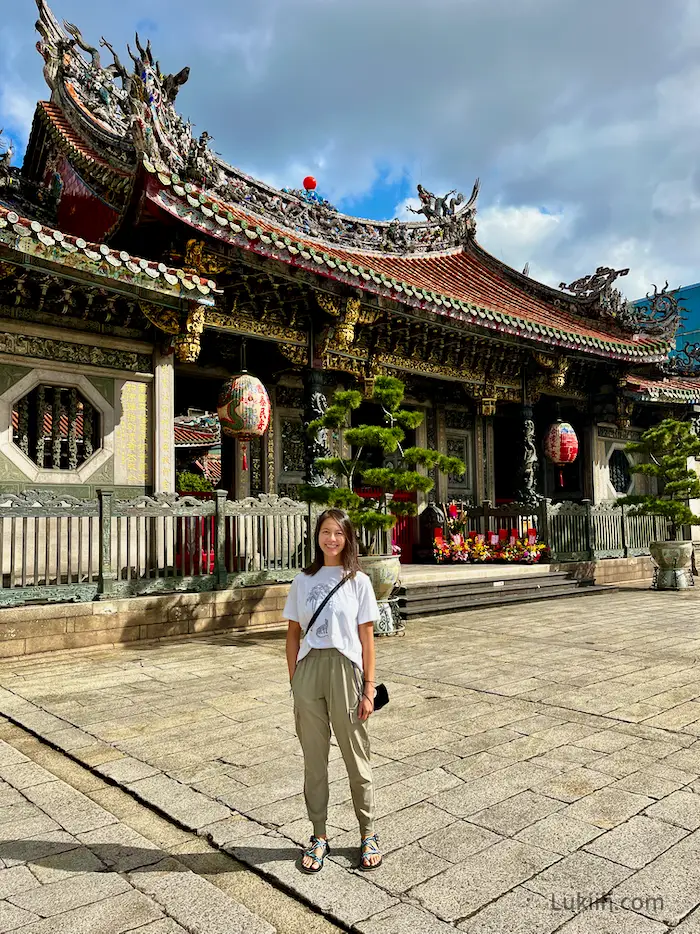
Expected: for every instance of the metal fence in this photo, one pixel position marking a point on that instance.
(55, 547)
(572, 531)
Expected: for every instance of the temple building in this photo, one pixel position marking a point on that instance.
(139, 271)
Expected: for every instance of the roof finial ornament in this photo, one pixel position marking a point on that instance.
(456, 218)
(441, 209)
(658, 314)
(5, 158)
(82, 44)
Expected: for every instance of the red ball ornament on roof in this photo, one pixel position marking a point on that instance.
(244, 410)
(561, 445)
(309, 183)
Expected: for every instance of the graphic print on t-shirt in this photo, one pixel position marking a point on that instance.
(316, 595)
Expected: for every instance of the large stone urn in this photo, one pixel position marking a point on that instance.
(674, 564)
(383, 571)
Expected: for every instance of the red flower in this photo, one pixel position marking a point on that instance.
(452, 510)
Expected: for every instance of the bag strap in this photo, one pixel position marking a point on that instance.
(323, 602)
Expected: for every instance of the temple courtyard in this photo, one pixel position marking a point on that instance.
(538, 770)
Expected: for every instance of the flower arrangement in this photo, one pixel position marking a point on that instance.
(502, 546)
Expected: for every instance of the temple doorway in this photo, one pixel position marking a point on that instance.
(507, 455)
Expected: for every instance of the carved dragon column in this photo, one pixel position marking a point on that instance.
(530, 465)
(315, 405)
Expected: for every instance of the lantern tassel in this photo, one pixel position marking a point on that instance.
(245, 456)
(561, 479)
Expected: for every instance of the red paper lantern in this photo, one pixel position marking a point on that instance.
(561, 445)
(244, 410)
(309, 183)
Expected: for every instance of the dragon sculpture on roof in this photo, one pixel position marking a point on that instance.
(658, 315)
(131, 112)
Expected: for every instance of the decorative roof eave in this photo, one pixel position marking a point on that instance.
(81, 155)
(664, 391)
(24, 239)
(212, 218)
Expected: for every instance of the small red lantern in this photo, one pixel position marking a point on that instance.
(309, 183)
(561, 445)
(244, 410)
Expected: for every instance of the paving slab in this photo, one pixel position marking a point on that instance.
(636, 842)
(680, 807)
(194, 902)
(579, 874)
(522, 748)
(481, 878)
(518, 912)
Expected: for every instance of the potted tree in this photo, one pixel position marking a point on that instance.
(189, 483)
(376, 515)
(666, 448)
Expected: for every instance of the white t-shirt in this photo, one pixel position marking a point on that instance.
(337, 625)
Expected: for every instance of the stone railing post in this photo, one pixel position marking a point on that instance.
(309, 547)
(589, 536)
(543, 522)
(486, 510)
(106, 575)
(220, 569)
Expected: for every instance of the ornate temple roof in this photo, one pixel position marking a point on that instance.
(463, 282)
(671, 389)
(120, 127)
(22, 239)
(192, 431)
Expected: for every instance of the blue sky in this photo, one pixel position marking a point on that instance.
(581, 119)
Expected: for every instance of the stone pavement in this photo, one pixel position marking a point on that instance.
(70, 866)
(538, 767)
(78, 856)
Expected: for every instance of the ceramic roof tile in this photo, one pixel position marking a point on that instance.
(469, 276)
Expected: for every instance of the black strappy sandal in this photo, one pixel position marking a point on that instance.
(369, 847)
(316, 842)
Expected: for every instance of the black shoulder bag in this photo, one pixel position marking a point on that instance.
(381, 695)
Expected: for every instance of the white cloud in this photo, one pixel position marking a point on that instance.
(16, 111)
(518, 235)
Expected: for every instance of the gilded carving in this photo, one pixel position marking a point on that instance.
(298, 354)
(349, 314)
(332, 306)
(203, 262)
(558, 377)
(165, 319)
(188, 344)
(241, 323)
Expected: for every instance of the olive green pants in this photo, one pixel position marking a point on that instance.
(327, 688)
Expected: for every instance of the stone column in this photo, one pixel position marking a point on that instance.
(530, 465)
(315, 404)
(164, 433)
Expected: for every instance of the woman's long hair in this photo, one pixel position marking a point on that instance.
(349, 554)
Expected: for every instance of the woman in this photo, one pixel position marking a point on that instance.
(331, 669)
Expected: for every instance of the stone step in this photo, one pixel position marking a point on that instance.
(416, 608)
(441, 590)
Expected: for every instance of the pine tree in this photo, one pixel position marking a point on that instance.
(379, 514)
(666, 448)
